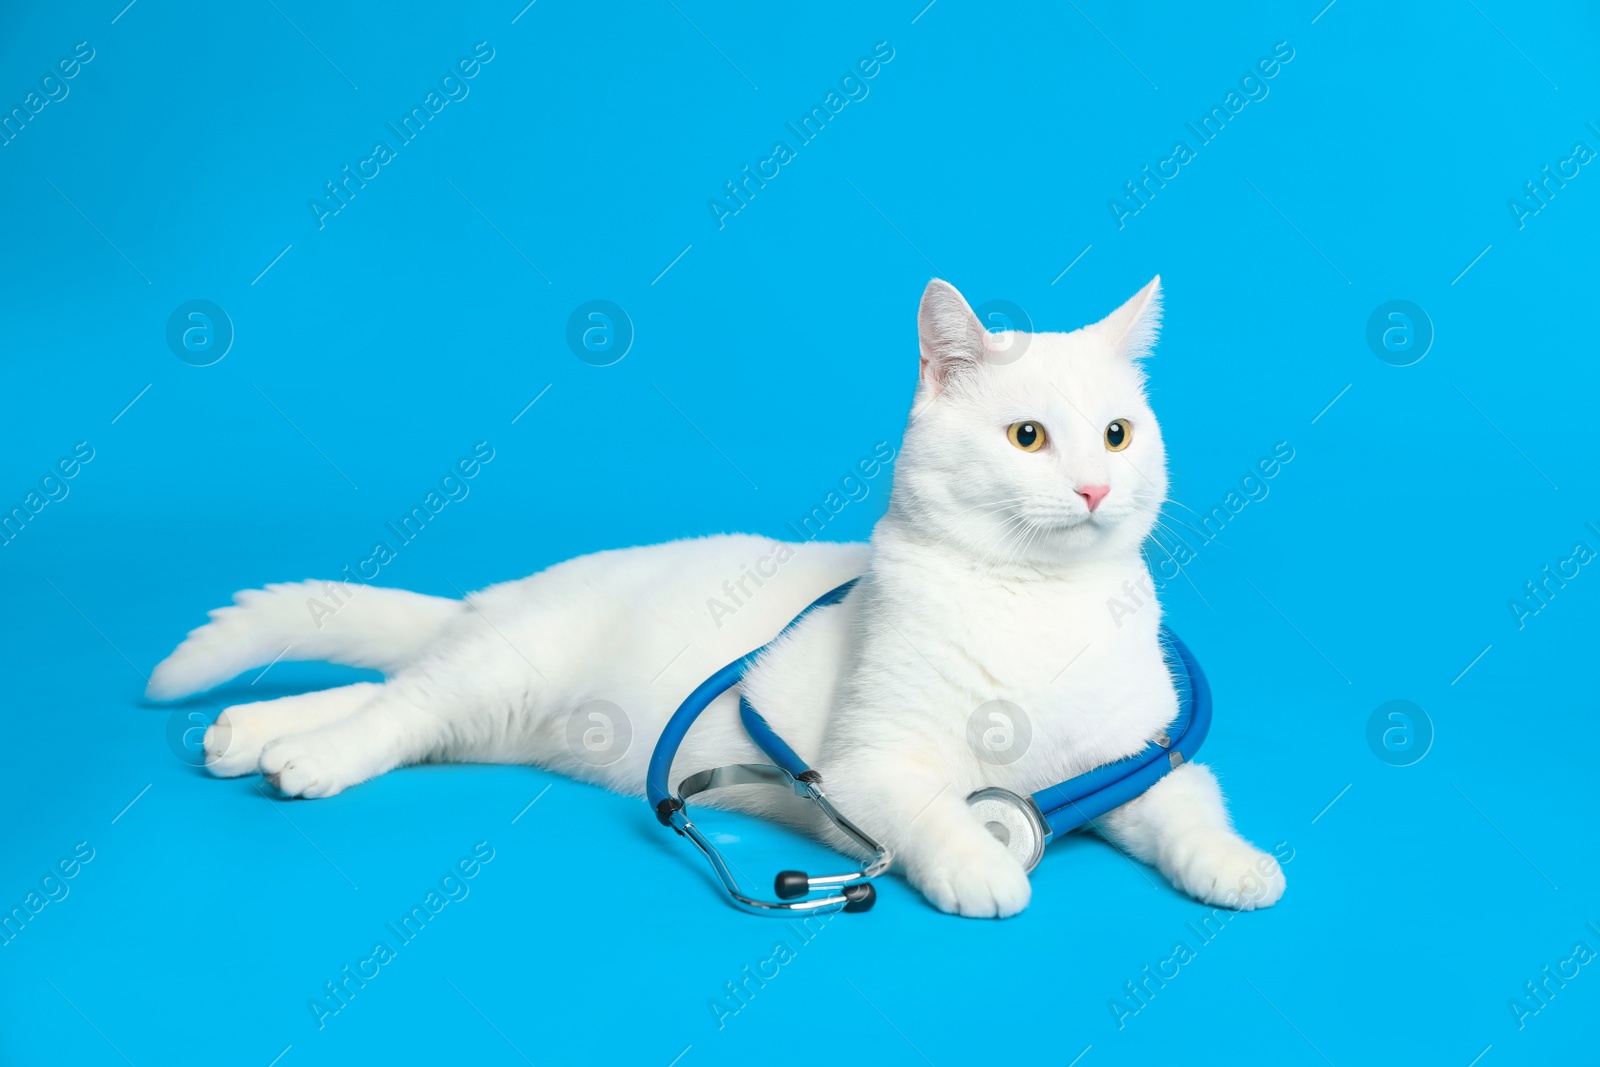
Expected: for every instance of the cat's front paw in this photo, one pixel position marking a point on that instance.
(301, 767)
(1228, 872)
(978, 879)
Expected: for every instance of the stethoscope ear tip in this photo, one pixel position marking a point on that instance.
(860, 897)
(791, 884)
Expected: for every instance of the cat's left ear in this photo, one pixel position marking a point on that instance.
(1131, 330)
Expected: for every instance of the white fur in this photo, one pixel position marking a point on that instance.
(987, 580)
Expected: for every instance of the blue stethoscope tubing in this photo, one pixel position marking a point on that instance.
(1073, 803)
(1053, 811)
(696, 702)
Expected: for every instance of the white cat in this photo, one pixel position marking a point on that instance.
(1023, 492)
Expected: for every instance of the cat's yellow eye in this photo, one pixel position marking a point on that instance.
(1027, 435)
(1119, 435)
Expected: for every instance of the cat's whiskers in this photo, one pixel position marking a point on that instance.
(1181, 569)
(1199, 533)
(1159, 526)
(994, 505)
(1185, 507)
(1177, 538)
(1011, 527)
(1206, 537)
(1022, 538)
(1015, 525)
(1038, 530)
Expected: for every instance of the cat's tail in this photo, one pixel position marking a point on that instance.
(359, 626)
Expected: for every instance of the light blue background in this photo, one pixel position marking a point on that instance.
(412, 326)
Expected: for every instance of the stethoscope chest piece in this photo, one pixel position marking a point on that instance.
(1015, 821)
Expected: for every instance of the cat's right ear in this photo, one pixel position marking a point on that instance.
(952, 339)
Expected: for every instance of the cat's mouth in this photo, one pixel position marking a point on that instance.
(1081, 528)
(1068, 527)
(1099, 519)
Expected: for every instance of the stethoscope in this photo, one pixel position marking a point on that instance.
(1025, 825)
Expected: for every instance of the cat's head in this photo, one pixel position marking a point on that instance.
(1032, 448)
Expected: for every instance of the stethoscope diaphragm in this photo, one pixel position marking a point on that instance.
(1015, 821)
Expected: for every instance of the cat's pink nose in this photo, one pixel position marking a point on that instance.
(1093, 494)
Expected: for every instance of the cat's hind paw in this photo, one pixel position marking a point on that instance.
(232, 747)
(300, 766)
